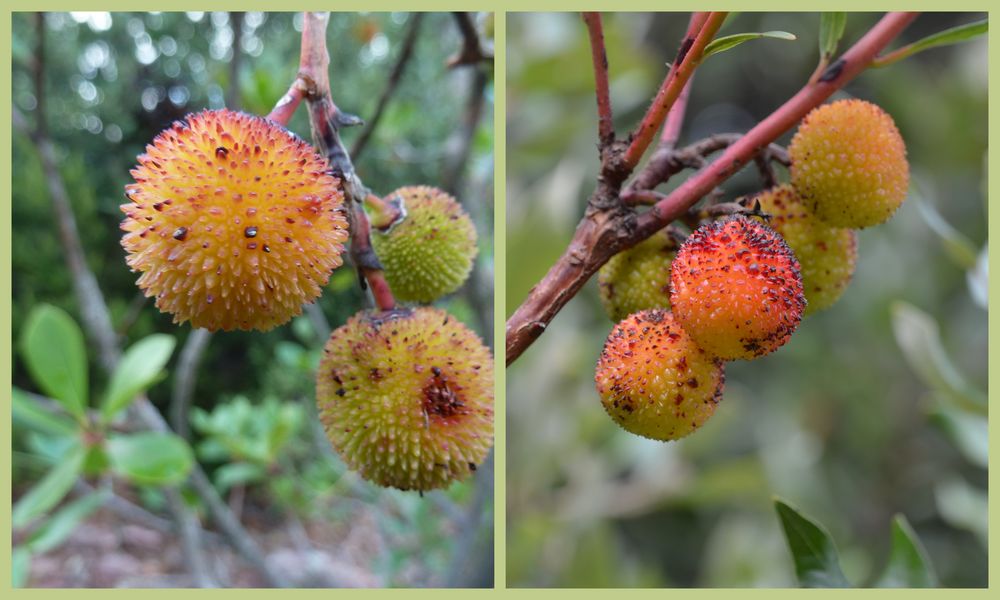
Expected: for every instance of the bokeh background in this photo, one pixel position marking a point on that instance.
(875, 407)
(107, 83)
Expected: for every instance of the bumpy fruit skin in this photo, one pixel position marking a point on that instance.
(233, 222)
(735, 287)
(654, 380)
(849, 164)
(638, 278)
(406, 397)
(827, 255)
(430, 252)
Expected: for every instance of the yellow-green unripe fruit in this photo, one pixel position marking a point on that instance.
(827, 254)
(638, 278)
(849, 164)
(654, 380)
(430, 252)
(406, 397)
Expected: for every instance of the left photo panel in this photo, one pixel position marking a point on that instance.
(252, 300)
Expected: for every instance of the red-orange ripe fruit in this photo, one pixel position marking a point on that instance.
(654, 380)
(736, 288)
(233, 221)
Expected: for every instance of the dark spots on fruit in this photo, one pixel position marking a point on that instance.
(250, 231)
(375, 375)
(266, 248)
(472, 466)
(221, 152)
(180, 234)
(692, 383)
(158, 207)
(252, 246)
(340, 392)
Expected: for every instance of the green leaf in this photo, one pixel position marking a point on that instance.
(139, 369)
(59, 527)
(150, 458)
(978, 278)
(49, 491)
(969, 433)
(831, 29)
(816, 562)
(239, 473)
(55, 355)
(963, 506)
(729, 42)
(908, 565)
(959, 248)
(20, 566)
(27, 412)
(954, 35)
(918, 336)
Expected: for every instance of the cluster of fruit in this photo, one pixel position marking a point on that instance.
(737, 288)
(235, 223)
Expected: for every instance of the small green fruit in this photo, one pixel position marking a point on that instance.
(429, 253)
(638, 278)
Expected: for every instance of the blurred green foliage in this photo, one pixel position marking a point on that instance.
(111, 82)
(860, 417)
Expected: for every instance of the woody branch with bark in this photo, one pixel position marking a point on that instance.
(611, 222)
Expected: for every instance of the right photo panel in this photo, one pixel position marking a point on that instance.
(746, 294)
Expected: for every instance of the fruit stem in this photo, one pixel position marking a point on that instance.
(383, 214)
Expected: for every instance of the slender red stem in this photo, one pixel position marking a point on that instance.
(605, 127)
(675, 117)
(609, 227)
(676, 79)
(286, 106)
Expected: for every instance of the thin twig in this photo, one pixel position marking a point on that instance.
(472, 51)
(185, 376)
(190, 533)
(687, 60)
(599, 55)
(675, 117)
(451, 179)
(609, 226)
(412, 29)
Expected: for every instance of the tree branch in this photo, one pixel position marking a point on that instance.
(687, 60)
(609, 226)
(472, 51)
(675, 116)
(599, 55)
(412, 29)
(185, 375)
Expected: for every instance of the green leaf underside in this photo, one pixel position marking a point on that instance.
(729, 42)
(29, 413)
(831, 29)
(908, 565)
(50, 490)
(55, 355)
(150, 458)
(817, 564)
(139, 368)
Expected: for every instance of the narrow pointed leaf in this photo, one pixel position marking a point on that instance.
(20, 565)
(908, 565)
(954, 35)
(817, 564)
(59, 527)
(831, 29)
(729, 42)
(140, 367)
(50, 490)
(30, 414)
(54, 352)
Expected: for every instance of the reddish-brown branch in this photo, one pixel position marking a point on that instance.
(472, 52)
(675, 117)
(326, 120)
(599, 54)
(286, 106)
(687, 60)
(609, 227)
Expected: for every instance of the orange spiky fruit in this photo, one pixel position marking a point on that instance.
(849, 164)
(826, 254)
(406, 397)
(654, 380)
(735, 287)
(233, 221)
